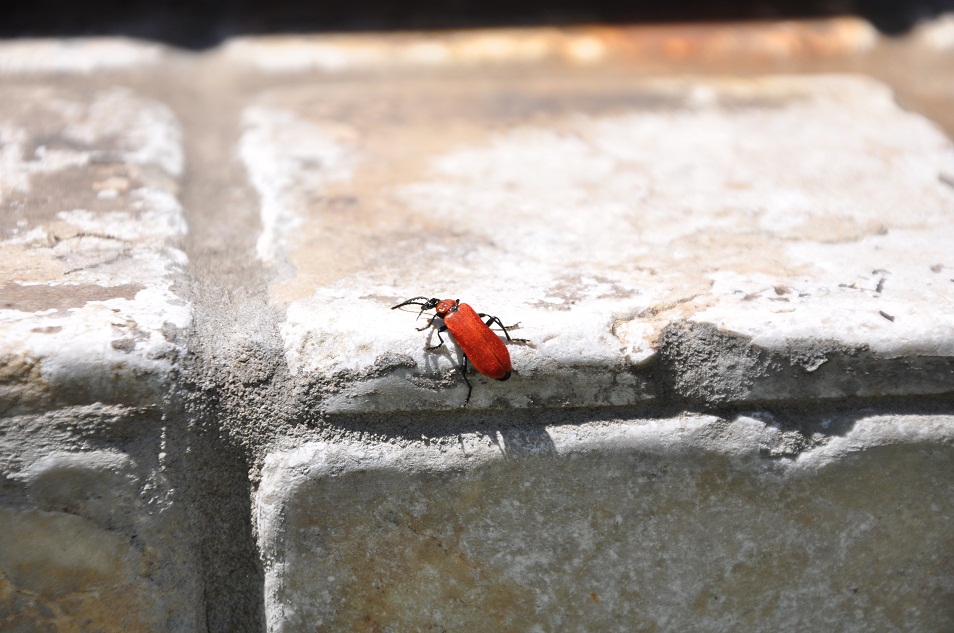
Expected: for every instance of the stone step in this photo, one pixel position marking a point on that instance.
(677, 524)
(728, 248)
(718, 240)
(91, 249)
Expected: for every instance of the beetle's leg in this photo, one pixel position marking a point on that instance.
(429, 323)
(492, 319)
(463, 372)
(439, 338)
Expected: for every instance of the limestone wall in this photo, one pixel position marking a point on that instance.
(730, 252)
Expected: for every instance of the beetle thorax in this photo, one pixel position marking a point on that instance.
(445, 307)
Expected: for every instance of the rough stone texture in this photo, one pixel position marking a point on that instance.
(89, 248)
(682, 524)
(95, 531)
(708, 241)
(94, 539)
(804, 220)
(693, 243)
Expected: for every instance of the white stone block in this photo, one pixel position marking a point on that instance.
(90, 248)
(799, 216)
(96, 539)
(692, 523)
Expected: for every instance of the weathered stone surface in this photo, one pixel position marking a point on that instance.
(93, 534)
(575, 47)
(76, 55)
(808, 219)
(716, 240)
(95, 540)
(89, 248)
(693, 523)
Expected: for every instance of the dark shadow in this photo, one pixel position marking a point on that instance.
(202, 24)
(706, 368)
(219, 492)
(524, 432)
(523, 441)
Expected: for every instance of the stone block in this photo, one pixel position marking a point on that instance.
(76, 56)
(539, 48)
(95, 534)
(93, 540)
(662, 241)
(758, 523)
(713, 240)
(90, 254)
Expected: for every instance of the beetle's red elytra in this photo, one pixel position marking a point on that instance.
(478, 343)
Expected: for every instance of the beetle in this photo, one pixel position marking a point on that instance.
(478, 343)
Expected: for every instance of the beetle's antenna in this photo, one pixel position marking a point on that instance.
(414, 301)
(424, 302)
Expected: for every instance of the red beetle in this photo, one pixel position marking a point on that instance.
(478, 343)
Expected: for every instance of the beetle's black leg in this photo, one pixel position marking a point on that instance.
(463, 372)
(429, 323)
(492, 319)
(439, 337)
